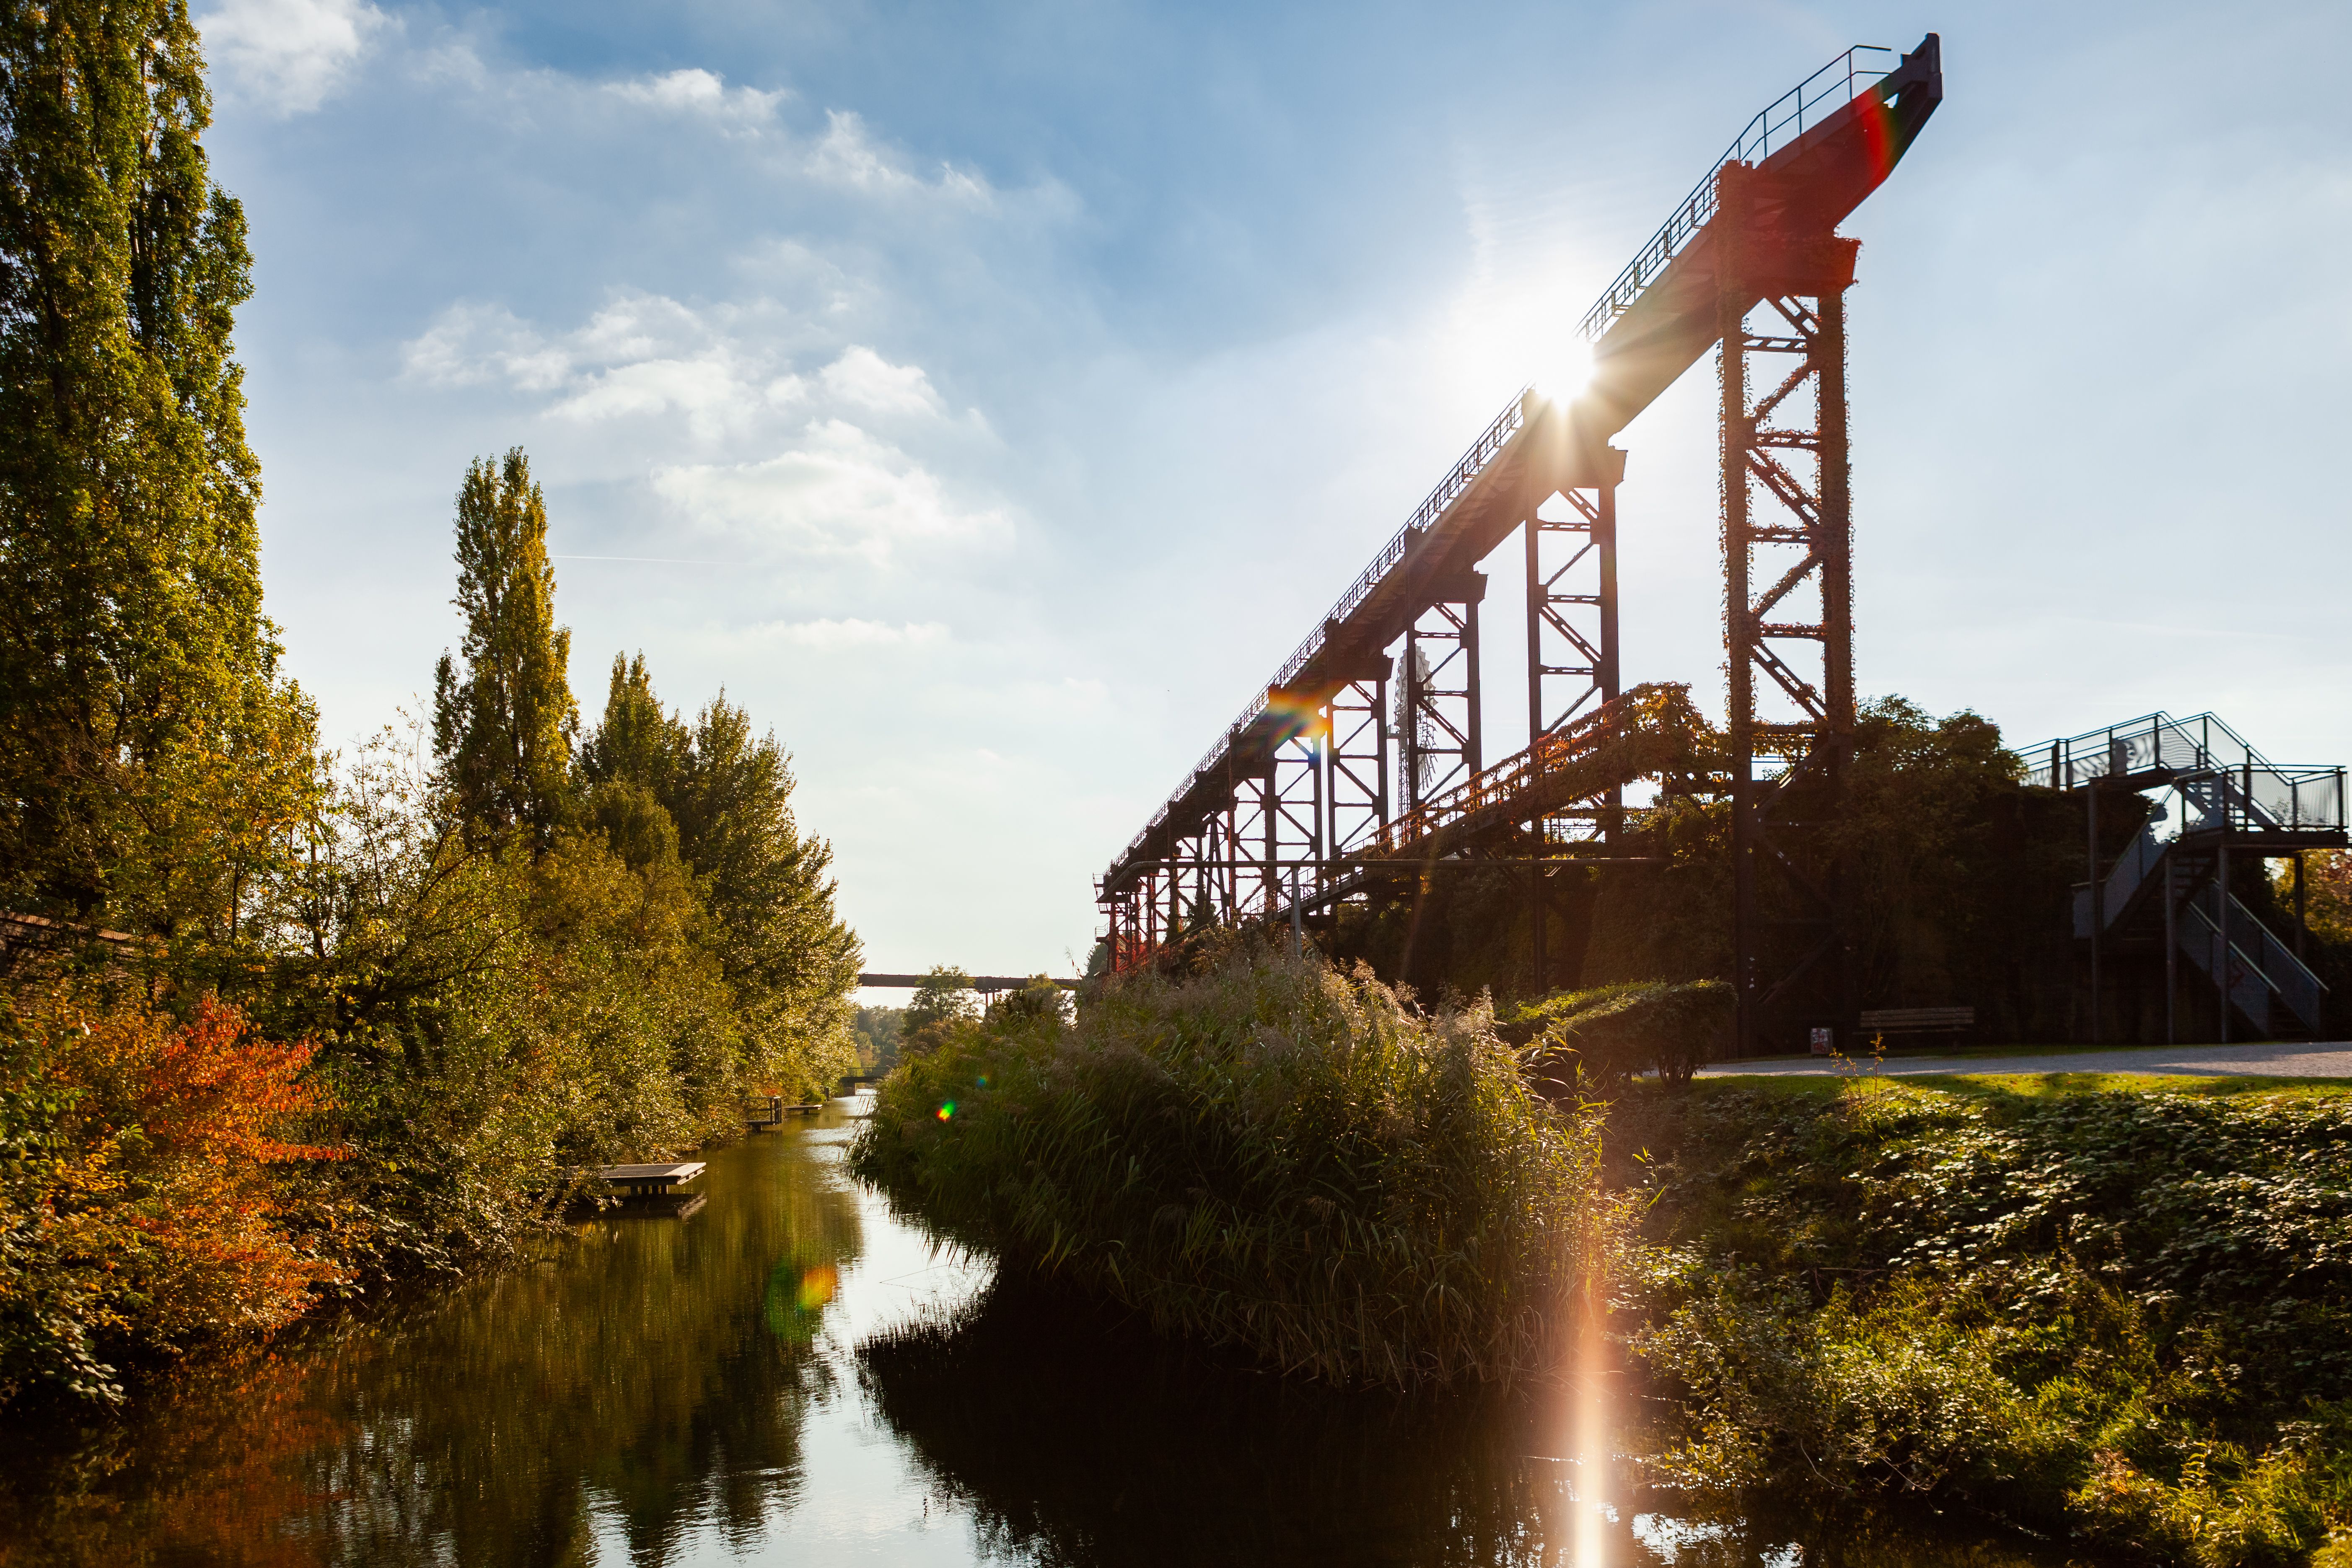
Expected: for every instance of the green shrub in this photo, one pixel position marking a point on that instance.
(1603, 1036)
(2121, 1315)
(1273, 1156)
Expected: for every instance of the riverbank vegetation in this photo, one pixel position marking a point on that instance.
(1273, 1156)
(2124, 1317)
(278, 1023)
(2117, 1315)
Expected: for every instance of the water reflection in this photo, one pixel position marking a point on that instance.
(641, 1378)
(1077, 1442)
(788, 1375)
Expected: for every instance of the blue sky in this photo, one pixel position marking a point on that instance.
(988, 398)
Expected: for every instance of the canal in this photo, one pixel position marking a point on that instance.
(792, 1374)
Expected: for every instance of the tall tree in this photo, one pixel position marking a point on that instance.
(503, 730)
(637, 742)
(772, 887)
(137, 673)
(630, 765)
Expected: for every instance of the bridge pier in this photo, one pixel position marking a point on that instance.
(1440, 720)
(1802, 545)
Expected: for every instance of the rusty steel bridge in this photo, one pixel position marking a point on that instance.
(1363, 761)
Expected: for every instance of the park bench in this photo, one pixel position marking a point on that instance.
(1918, 1021)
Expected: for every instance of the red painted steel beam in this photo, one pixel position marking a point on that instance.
(1665, 324)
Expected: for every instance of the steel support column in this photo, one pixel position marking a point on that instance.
(2222, 910)
(1357, 804)
(1788, 615)
(1571, 614)
(1294, 818)
(1439, 728)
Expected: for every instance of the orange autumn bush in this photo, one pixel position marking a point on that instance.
(142, 1209)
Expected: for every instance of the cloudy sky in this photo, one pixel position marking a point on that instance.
(988, 398)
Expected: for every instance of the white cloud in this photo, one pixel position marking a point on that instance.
(839, 491)
(847, 156)
(642, 357)
(773, 458)
(704, 94)
(863, 379)
(855, 633)
(707, 389)
(291, 55)
(470, 344)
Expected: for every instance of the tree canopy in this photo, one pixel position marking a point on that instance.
(149, 753)
(502, 727)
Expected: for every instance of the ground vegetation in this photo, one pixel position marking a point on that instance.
(1274, 1155)
(2119, 1314)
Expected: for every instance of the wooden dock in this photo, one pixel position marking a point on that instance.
(651, 1181)
(767, 1115)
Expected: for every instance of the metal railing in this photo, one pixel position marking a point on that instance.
(1458, 478)
(2264, 798)
(1816, 97)
(2259, 965)
(1807, 104)
(2151, 743)
(1648, 712)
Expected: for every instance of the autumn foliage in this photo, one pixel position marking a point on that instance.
(142, 1205)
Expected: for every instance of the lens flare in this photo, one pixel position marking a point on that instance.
(817, 1286)
(1877, 119)
(947, 1108)
(798, 1289)
(1295, 715)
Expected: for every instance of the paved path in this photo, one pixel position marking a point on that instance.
(2312, 1060)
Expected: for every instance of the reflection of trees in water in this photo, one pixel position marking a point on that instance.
(1077, 1442)
(661, 1367)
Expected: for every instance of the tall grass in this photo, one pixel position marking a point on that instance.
(1273, 1156)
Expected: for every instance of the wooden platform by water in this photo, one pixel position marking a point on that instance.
(651, 1181)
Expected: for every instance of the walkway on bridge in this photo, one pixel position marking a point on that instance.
(2298, 1059)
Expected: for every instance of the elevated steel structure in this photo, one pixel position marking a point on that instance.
(1378, 714)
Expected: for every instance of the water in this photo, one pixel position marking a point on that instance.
(790, 1375)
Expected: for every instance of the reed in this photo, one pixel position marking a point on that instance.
(1273, 1156)
(1592, 1041)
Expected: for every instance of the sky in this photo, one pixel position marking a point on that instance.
(988, 398)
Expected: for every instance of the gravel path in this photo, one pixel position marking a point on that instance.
(2315, 1060)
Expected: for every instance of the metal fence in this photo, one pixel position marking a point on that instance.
(1464, 472)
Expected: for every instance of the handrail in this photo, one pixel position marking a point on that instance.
(1458, 478)
(1785, 113)
(1506, 778)
(2299, 796)
(1785, 120)
(1645, 709)
(2073, 760)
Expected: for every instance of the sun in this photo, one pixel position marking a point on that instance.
(1565, 371)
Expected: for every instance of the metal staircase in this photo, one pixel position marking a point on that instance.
(2211, 796)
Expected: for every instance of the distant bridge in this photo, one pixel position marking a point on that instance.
(986, 984)
(1355, 762)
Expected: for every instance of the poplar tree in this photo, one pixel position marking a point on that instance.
(637, 743)
(150, 757)
(502, 727)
